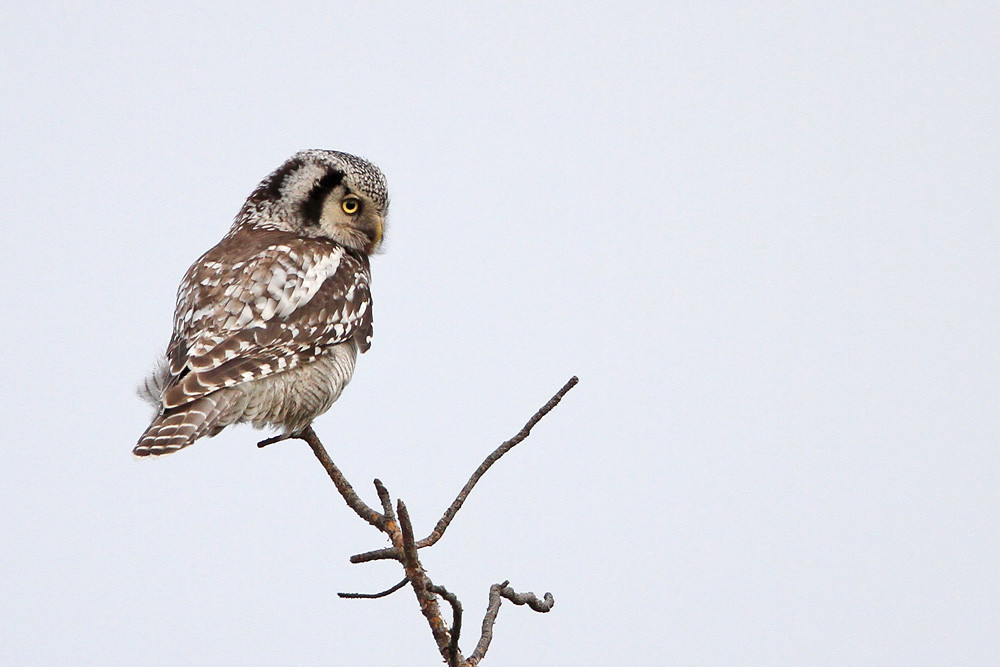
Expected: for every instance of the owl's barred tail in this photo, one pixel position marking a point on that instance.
(181, 426)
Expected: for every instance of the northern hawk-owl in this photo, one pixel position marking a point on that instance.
(270, 321)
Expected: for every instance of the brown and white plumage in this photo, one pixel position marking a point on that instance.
(269, 322)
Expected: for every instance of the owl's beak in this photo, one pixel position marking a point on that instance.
(375, 234)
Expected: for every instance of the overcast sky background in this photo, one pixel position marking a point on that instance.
(763, 235)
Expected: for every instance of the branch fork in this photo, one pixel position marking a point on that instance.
(395, 523)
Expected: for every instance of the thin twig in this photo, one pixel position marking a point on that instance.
(450, 513)
(270, 441)
(486, 636)
(541, 606)
(372, 596)
(383, 496)
(498, 591)
(454, 656)
(345, 488)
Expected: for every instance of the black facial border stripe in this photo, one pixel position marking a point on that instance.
(312, 207)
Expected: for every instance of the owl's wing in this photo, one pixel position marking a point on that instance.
(238, 321)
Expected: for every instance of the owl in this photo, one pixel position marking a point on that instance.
(269, 323)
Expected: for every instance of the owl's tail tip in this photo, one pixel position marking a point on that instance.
(168, 433)
(178, 428)
(152, 445)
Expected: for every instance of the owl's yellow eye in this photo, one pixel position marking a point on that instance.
(351, 205)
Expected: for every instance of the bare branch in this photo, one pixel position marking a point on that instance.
(383, 496)
(454, 656)
(396, 524)
(415, 573)
(345, 488)
(270, 441)
(529, 599)
(450, 513)
(486, 636)
(372, 596)
(498, 591)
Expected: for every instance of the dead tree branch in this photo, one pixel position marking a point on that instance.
(450, 513)
(454, 656)
(498, 591)
(343, 486)
(418, 579)
(395, 523)
(373, 596)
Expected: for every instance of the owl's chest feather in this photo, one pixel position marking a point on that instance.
(294, 398)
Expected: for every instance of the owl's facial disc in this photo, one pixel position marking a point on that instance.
(352, 219)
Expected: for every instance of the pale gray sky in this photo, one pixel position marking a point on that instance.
(764, 236)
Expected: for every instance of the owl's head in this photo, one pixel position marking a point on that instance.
(319, 193)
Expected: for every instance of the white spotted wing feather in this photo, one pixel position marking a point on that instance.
(257, 304)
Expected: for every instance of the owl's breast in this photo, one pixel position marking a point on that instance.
(293, 398)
